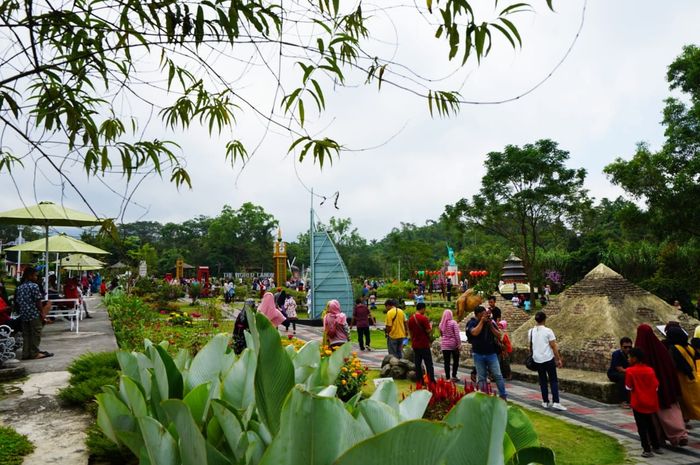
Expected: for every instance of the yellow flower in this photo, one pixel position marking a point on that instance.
(328, 352)
(343, 369)
(343, 382)
(354, 375)
(354, 354)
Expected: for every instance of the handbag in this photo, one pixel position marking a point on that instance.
(530, 363)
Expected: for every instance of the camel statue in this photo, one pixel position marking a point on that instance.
(466, 303)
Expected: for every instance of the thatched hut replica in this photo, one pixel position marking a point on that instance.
(590, 317)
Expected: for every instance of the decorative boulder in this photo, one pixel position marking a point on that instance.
(384, 372)
(412, 375)
(386, 359)
(398, 372)
(393, 361)
(408, 354)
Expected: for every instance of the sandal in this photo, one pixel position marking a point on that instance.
(46, 353)
(41, 355)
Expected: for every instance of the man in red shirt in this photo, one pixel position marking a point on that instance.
(641, 381)
(419, 327)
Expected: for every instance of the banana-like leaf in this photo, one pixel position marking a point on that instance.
(145, 370)
(255, 449)
(113, 415)
(128, 364)
(387, 393)
(314, 431)
(275, 376)
(131, 394)
(191, 443)
(232, 428)
(484, 421)
(168, 377)
(239, 383)
(197, 400)
(533, 456)
(159, 444)
(183, 359)
(415, 442)
(208, 362)
(520, 429)
(379, 416)
(413, 407)
(214, 457)
(328, 391)
(334, 363)
(306, 361)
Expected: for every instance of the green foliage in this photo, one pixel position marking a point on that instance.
(195, 291)
(528, 194)
(260, 406)
(13, 446)
(144, 285)
(395, 290)
(89, 373)
(77, 68)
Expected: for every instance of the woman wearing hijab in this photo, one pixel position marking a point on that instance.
(268, 308)
(335, 325)
(670, 416)
(684, 358)
(450, 343)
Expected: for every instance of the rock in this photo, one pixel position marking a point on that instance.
(408, 354)
(404, 362)
(393, 361)
(384, 372)
(386, 359)
(411, 366)
(412, 375)
(398, 372)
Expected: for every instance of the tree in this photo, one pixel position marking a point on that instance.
(669, 180)
(528, 196)
(73, 72)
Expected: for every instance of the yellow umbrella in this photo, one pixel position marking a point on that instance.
(48, 214)
(79, 261)
(60, 243)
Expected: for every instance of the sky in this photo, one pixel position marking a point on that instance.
(404, 166)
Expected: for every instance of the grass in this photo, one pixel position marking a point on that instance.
(89, 373)
(576, 445)
(13, 446)
(377, 340)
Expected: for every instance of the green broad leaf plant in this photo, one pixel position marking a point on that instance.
(273, 405)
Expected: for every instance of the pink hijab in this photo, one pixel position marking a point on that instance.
(268, 308)
(446, 318)
(334, 317)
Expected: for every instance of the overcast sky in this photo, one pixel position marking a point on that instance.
(605, 97)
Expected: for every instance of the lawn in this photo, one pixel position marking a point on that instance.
(576, 445)
(377, 339)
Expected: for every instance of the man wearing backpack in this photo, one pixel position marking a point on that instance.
(483, 334)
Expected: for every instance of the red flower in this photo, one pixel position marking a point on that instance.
(216, 325)
(163, 312)
(290, 337)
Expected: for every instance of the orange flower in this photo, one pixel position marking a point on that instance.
(328, 352)
(343, 382)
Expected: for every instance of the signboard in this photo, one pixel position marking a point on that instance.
(254, 275)
(143, 269)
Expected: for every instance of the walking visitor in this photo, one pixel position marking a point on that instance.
(450, 344)
(546, 354)
(394, 328)
(361, 318)
(419, 327)
(335, 325)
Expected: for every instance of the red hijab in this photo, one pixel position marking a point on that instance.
(656, 356)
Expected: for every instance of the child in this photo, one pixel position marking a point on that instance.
(641, 381)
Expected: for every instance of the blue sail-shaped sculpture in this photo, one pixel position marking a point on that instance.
(329, 277)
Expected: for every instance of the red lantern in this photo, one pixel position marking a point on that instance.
(459, 273)
(483, 272)
(486, 272)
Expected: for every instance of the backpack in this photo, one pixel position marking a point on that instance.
(470, 338)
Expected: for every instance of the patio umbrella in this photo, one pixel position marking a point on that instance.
(48, 214)
(118, 266)
(79, 261)
(60, 243)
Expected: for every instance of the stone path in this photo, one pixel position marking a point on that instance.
(609, 419)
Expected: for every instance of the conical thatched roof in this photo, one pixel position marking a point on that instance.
(593, 314)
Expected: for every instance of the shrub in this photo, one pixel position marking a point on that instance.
(13, 446)
(195, 291)
(89, 373)
(395, 290)
(352, 377)
(103, 450)
(143, 286)
(165, 292)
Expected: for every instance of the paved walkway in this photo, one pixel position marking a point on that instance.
(609, 419)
